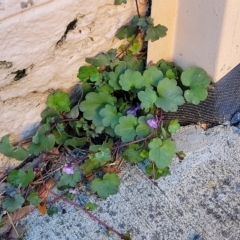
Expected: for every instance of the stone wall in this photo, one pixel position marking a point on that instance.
(42, 45)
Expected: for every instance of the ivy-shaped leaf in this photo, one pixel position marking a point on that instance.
(133, 153)
(33, 198)
(90, 165)
(173, 126)
(126, 31)
(147, 98)
(170, 95)
(76, 142)
(152, 76)
(17, 177)
(106, 186)
(70, 179)
(18, 153)
(143, 129)
(161, 152)
(197, 80)
(110, 116)
(131, 78)
(114, 76)
(136, 44)
(49, 112)
(119, 2)
(103, 153)
(59, 101)
(12, 204)
(102, 59)
(41, 141)
(155, 32)
(93, 104)
(126, 128)
(88, 72)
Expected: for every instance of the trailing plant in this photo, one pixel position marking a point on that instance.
(119, 115)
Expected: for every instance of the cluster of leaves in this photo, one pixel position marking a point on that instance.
(119, 113)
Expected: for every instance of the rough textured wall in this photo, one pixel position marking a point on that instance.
(42, 45)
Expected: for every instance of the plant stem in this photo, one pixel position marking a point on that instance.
(89, 214)
(136, 1)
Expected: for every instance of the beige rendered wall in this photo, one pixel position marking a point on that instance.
(203, 33)
(39, 54)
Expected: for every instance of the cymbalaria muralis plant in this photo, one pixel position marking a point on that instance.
(120, 114)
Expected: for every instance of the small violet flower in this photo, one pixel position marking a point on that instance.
(68, 169)
(73, 191)
(133, 110)
(150, 63)
(152, 122)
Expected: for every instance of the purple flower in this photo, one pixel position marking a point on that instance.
(152, 122)
(150, 63)
(68, 169)
(73, 191)
(133, 110)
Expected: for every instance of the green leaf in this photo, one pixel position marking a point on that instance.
(131, 78)
(197, 80)
(41, 141)
(152, 76)
(119, 2)
(88, 72)
(76, 142)
(91, 206)
(33, 198)
(114, 76)
(170, 74)
(170, 95)
(70, 179)
(59, 101)
(90, 165)
(133, 153)
(157, 172)
(12, 204)
(17, 177)
(136, 44)
(51, 211)
(102, 59)
(155, 32)
(74, 112)
(134, 63)
(147, 98)
(143, 129)
(173, 126)
(110, 116)
(18, 153)
(49, 112)
(93, 104)
(161, 152)
(126, 31)
(106, 186)
(126, 128)
(102, 153)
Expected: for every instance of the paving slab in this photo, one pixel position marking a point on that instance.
(198, 201)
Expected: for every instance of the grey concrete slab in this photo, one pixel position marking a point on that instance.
(198, 201)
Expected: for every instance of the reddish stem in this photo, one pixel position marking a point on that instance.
(89, 214)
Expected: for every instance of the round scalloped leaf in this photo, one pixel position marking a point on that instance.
(143, 129)
(152, 76)
(88, 72)
(12, 204)
(106, 186)
(147, 98)
(126, 128)
(173, 126)
(131, 79)
(59, 101)
(170, 95)
(155, 32)
(197, 80)
(161, 152)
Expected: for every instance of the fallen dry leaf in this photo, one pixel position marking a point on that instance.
(42, 208)
(111, 170)
(19, 214)
(44, 190)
